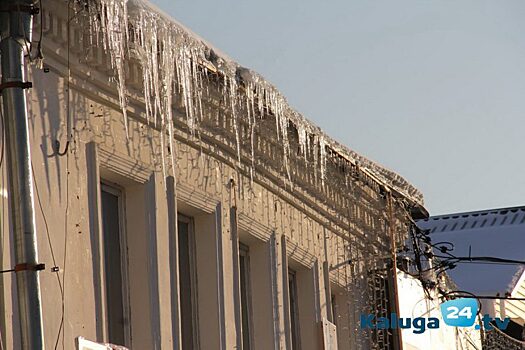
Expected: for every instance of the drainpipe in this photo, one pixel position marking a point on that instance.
(15, 35)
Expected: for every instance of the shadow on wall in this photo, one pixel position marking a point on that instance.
(48, 120)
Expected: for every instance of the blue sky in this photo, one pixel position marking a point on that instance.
(434, 90)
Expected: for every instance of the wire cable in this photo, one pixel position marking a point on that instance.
(66, 221)
(50, 243)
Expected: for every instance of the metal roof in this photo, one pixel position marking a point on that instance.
(496, 233)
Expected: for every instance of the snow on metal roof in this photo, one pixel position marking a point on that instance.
(495, 233)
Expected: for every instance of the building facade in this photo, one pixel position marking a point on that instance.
(182, 204)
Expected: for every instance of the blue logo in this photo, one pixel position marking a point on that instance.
(460, 312)
(419, 324)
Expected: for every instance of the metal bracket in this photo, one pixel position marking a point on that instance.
(29, 267)
(15, 84)
(26, 267)
(56, 149)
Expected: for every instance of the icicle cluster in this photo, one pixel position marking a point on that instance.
(114, 27)
(174, 61)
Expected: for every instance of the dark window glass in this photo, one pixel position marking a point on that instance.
(111, 222)
(334, 309)
(294, 309)
(187, 304)
(244, 267)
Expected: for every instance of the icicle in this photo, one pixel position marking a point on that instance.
(316, 156)
(322, 146)
(231, 86)
(303, 137)
(114, 24)
(250, 110)
(168, 65)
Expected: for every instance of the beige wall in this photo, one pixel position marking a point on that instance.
(344, 318)
(202, 184)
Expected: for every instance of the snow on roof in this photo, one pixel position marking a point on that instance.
(154, 29)
(496, 233)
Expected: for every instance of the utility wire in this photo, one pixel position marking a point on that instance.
(50, 243)
(448, 261)
(66, 221)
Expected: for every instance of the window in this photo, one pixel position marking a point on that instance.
(187, 284)
(246, 304)
(114, 266)
(333, 304)
(294, 309)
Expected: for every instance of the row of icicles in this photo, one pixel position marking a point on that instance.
(170, 59)
(173, 61)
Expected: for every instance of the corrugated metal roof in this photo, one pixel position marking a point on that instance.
(496, 233)
(475, 219)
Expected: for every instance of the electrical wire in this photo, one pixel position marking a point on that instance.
(446, 261)
(50, 243)
(488, 259)
(66, 221)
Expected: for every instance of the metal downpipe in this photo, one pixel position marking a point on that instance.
(15, 36)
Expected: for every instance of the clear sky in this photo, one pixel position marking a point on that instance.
(434, 90)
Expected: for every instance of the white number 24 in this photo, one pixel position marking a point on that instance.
(456, 313)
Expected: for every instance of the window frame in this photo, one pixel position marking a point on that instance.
(335, 308)
(293, 303)
(119, 192)
(193, 275)
(244, 253)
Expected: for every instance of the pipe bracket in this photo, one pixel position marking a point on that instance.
(15, 84)
(29, 267)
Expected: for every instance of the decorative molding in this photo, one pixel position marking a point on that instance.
(254, 228)
(299, 254)
(337, 279)
(196, 198)
(123, 165)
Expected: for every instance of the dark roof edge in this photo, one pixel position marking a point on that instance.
(477, 212)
